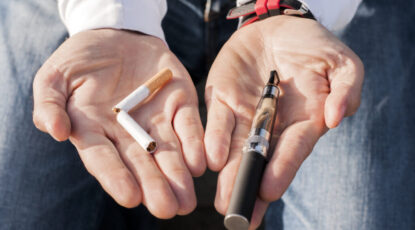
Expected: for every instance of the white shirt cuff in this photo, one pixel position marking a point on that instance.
(334, 15)
(139, 15)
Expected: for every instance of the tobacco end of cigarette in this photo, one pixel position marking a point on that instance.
(116, 110)
(151, 148)
(159, 80)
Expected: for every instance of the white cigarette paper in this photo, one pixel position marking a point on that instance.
(135, 130)
(143, 91)
(137, 96)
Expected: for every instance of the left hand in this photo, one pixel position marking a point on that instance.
(91, 72)
(321, 81)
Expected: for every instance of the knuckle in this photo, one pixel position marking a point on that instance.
(359, 64)
(237, 143)
(193, 139)
(218, 157)
(355, 60)
(245, 110)
(48, 73)
(216, 132)
(163, 146)
(245, 117)
(221, 149)
(355, 65)
(138, 159)
(180, 173)
(190, 121)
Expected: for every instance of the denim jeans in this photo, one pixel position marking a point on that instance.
(360, 175)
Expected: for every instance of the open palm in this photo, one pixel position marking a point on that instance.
(320, 84)
(74, 92)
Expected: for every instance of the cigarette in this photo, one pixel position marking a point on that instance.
(135, 130)
(144, 91)
(135, 98)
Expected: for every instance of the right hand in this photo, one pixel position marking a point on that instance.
(74, 92)
(321, 82)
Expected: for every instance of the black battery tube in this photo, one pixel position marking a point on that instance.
(245, 191)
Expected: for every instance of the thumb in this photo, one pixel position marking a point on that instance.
(50, 96)
(345, 91)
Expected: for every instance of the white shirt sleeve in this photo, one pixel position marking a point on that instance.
(333, 14)
(138, 15)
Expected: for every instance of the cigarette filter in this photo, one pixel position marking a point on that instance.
(135, 130)
(143, 91)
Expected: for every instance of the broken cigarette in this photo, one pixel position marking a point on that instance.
(135, 130)
(132, 100)
(144, 91)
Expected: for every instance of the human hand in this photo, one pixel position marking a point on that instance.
(321, 82)
(74, 93)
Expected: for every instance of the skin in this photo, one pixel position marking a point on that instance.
(321, 82)
(74, 92)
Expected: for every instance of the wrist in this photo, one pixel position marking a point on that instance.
(252, 11)
(122, 40)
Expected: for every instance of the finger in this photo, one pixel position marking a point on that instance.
(227, 176)
(170, 161)
(157, 194)
(189, 130)
(294, 145)
(50, 95)
(258, 213)
(101, 159)
(346, 86)
(219, 128)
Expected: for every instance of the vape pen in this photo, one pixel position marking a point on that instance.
(254, 158)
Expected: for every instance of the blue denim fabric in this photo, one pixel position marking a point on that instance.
(43, 183)
(196, 35)
(361, 175)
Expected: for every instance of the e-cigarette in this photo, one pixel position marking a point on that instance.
(254, 158)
